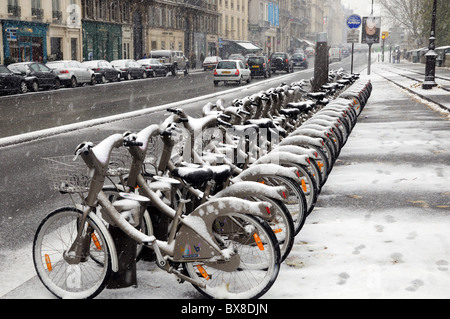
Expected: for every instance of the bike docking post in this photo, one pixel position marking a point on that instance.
(320, 62)
(132, 210)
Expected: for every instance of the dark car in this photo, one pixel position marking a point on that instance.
(11, 82)
(103, 70)
(259, 66)
(129, 69)
(299, 60)
(153, 67)
(37, 75)
(281, 61)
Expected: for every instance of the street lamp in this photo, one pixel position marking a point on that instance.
(430, 65)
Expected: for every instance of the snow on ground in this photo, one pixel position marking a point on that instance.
(366, 251)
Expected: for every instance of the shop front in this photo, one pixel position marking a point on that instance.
(24, 41)
(102, 41)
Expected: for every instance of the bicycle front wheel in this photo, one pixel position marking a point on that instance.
(55, 235)
(258, 263)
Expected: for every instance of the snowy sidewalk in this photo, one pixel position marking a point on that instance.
(381, 228)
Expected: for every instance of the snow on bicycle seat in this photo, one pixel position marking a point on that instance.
(290, 112)
(245, 128)
(193, 175)
(302, 106)
(263, 123)
(316, 95)
(221, 172)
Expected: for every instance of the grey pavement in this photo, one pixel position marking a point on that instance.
(410, 77)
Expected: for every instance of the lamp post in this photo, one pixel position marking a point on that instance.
(430, 65)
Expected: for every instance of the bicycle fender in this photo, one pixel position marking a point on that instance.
(301, 140)
(245, 189)
(295, 149)
(254, 172)
(195, 240)
(109, 240)
(279, 157)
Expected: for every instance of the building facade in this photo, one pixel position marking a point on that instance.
(115, 29)
(37, 30)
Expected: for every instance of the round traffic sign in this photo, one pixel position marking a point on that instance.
(354, 21)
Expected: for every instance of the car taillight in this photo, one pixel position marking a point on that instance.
(64, 71)
(215, 72)
(286, 60)
(96, 70)
(237, 72)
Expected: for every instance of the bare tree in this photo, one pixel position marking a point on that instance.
(408, 15)
(415, 17)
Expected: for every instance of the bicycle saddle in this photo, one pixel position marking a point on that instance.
(302, 106)
(262, 123)
(316, 95)
(193, 174)
(221, 172)
(293, 113)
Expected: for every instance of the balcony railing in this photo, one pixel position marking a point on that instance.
(37, 13)
(57, 16)
(14, 11)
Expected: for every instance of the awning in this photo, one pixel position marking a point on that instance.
(248, 46)
(309, 43)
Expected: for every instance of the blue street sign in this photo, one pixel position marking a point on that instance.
(354, 21)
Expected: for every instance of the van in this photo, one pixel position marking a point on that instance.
(173, 60)
(334, 55)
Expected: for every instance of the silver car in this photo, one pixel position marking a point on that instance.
(231, 70)
(72, 73)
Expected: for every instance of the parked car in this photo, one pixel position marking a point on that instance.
(173, 60)
(281, 61)
(129, 69)
(259, 66)
(103, 70)
(231, 70)
(37, 75)
(210, 62)
(299, 60)
(11, 82)
(334, 55)
(153, 67)
(310, 51)
(72, 73)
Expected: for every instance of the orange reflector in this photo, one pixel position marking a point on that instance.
(96, 242)
(303, 185)
(48, 262)
(276, 231)
(262, 182)
(203, 272)
(258, 241)
(320, 164)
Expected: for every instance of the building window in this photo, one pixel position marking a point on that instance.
(74, 48)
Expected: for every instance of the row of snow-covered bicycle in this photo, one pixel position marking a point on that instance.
(235, 187)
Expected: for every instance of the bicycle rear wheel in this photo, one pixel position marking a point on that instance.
(251, 272)
(54, 236)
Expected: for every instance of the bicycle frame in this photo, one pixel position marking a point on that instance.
(187, 231)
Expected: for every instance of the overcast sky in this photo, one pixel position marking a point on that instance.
(362, 7)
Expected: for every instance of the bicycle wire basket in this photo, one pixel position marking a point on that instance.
(66, 175)
(69, 176)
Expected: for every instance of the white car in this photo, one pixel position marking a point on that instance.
(72, 73)
(231, 70)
